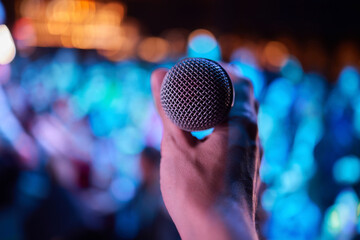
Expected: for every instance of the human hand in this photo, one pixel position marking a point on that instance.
(209, 186)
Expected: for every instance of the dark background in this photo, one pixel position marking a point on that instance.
(327, 21)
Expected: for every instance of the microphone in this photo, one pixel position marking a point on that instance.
(196, 94)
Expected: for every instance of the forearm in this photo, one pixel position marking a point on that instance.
(226, 219)
(209, 185)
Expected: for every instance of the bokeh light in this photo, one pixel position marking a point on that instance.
(247, 63)
(347, 170)
(2, 13)
(349, 81)
(202, 43)
(76, 105)
(24, 34)
(123, 189)
(7, 50)
(5, 73)
(280, 96)
(340, 219)
(153, 49)
(292, 70)
(202, 134)
(177, 39)
(84, 24)
(296, 217)
(275, 55)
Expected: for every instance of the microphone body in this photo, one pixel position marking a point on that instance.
(196, 94)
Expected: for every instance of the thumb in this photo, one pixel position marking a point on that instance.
(156, 80)
(170, 129)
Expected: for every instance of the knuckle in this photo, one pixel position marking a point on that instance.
(248, 123)
(257, 106)
(244, 90)
(247, 82)
(251, 127)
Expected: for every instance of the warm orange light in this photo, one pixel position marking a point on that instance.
(85, 24)
(275, 54)
(66, 41)
(24, 29)
(153, 49)
(32, 9)
(202, 32)
(56, 28)
(177, 39)
(199, 32)
(123, 46)
(113, 13)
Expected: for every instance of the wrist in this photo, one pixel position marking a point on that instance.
(224, 219)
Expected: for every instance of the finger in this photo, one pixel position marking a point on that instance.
(245, 103)
(244, 92)
(170, 130)
(157, 77)
(242, 119)
(233, 72)
(257, 106)
(261, 149)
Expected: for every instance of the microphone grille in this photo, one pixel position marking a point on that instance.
(196, 94)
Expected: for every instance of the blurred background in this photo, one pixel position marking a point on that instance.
(79, 135)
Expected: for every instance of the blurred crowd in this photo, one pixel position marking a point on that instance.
(80, 145)
(80, 137)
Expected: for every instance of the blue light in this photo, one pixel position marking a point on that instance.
(2, 13)
(129, 140)
(123, 189)
(253, 74)
(5, 73)
(315, 84)
(295, 217)
(266, 123)
(205, 46)
(34, 184)
(349, 198)
(356, 121)
(332, 222)
(65, 62)
(138, 109)
(244, 55)
(349, 81)
(280, 96)
(275, 157)
(268, 199)
(292, 70)
(310, 131)
(118, 118)
(127, 223)
(273, 153)
(103, 122)
(153, 128)
(303, 156)
(202, 134)
(347, 170)
(340, 218)
(292, 179)
(356, 116)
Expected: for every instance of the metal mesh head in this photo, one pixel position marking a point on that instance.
(196, 94)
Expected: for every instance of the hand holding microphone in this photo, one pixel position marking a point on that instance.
(196, 94)
(209, 186)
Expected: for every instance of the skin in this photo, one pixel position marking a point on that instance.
(210, 186)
